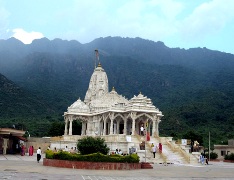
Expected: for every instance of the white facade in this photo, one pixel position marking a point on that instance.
(108, 113)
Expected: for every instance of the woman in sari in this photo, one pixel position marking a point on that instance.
(22, 150)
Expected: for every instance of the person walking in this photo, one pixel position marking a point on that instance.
(38, 154)
(154, 150)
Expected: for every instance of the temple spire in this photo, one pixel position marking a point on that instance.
(96, 57)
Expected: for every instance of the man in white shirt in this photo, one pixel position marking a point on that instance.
(38, 154)
(154, 150)
(142, 130)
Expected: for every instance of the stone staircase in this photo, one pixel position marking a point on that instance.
(171, 152)
(146, 156)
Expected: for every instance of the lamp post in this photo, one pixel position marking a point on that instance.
(209, 146)
(60, 142)
(26, 141)
(146, 129)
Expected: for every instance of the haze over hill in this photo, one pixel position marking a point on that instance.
(193, 88)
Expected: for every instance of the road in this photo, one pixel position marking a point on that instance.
(26, 167)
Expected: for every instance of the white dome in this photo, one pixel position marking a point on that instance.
(78, 107)
(111, 99)
(142, 103)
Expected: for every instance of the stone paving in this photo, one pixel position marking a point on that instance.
(26, 167)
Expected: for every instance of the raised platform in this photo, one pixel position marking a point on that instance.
(91, 165)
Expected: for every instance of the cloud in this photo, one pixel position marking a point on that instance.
(26, 37)
(150, 19)
(207, 19)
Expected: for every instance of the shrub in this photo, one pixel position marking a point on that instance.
(229, 157)
(90, 145)
(95, 157)
(49, 154)
(213, 155)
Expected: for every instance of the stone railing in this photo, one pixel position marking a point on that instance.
(162, 155)
(178, 149)
(174, 148)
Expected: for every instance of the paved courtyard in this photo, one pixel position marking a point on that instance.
(26, 167)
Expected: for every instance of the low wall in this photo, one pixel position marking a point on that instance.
(90, 165)
(229, 161)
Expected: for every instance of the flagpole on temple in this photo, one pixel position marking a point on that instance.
(97, 57)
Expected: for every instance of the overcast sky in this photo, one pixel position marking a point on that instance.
(177, 23)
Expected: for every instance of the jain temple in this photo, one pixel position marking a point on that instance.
(108, 113)
(118, 120)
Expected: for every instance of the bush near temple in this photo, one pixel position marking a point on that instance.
(213, 155)
(90, 145)
(95, 157)
(229, 157)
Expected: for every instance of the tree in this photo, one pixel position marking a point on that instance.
(89, 145)
(56, 129)
(194, 136)
(213, 155)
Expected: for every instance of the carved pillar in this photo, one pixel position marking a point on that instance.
(66, 121)
(133, 127)
(111, 116)
(111, 127)
(133, 116)
(70, 125)
(83, 128)
(150, 127)
(125, 125)
(104, 124)
(154, 125)
(90, 126)
(104, 129)
(118, 121)
(157, 123)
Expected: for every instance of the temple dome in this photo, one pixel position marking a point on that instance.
(111, 99)
(141, 102)
(78, 107)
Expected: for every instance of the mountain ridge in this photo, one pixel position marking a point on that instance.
(191, 87)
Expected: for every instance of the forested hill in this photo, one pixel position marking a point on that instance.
(193, 88)
(16, 102)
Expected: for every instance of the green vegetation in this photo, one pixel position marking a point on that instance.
(213, 155)
(193, 88)
(229, 157)
(89, 145)
(95, 157)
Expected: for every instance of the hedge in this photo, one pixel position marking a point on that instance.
(229, 157)
(95, 157)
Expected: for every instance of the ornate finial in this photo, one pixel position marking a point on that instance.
(113, 89)
(99, 64)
